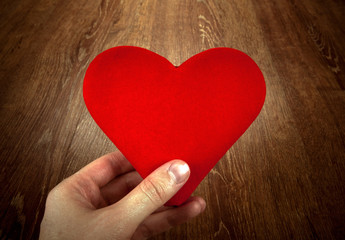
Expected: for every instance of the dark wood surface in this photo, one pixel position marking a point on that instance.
(283, 179)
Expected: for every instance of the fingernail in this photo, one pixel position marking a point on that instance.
(179, 172)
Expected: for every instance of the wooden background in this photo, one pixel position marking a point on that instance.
(283, 179)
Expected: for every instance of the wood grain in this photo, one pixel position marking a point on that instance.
(283, 179)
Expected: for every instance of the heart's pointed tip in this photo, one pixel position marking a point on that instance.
(174, 203)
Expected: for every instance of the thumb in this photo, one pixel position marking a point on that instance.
(154, 191)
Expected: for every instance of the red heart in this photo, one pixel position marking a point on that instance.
(155, 112)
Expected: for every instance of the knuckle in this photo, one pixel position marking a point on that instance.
(54, 193)
(58, 192)
(174, 220)
(145, 231)
(155, 191)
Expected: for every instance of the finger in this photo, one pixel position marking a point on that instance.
(153, 191)
(104, 169)
(164, 208)
(163, 221)
(120, 187)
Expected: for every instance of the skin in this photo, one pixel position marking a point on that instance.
(107, 199)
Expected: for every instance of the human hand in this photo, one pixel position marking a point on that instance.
(107, 199)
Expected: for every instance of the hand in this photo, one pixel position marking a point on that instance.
(108, 199)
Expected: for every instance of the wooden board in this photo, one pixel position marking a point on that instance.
(283, 179)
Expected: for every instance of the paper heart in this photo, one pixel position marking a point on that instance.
(155, 112)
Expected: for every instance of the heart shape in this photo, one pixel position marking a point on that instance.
(155, 112)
